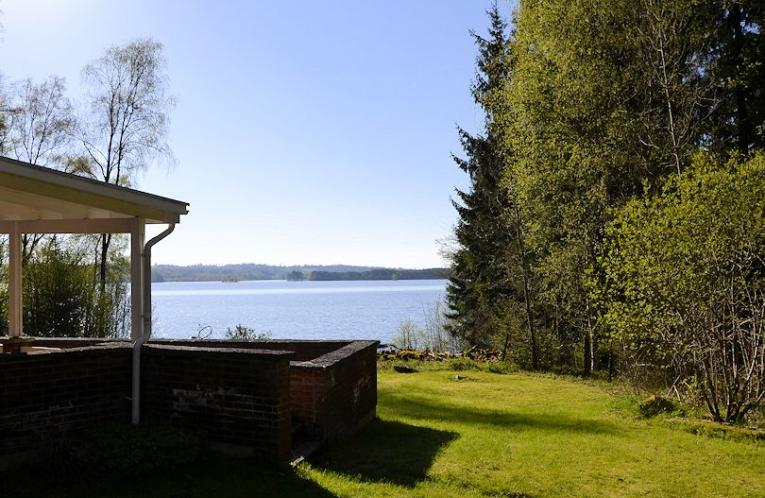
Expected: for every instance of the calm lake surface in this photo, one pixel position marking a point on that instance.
(293, 310)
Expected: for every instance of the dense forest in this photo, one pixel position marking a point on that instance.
(614, 220)
(381, 274)
(252, 271)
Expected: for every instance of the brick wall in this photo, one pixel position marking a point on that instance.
(336, 393)
(304, 350)
(76, 342)
(47, 397)
(239, 398)
(245, 399)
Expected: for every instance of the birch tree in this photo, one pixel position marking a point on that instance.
(125, 130)
(39, 130)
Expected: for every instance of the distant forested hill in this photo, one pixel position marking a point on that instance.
(379, 274)
(252, 271)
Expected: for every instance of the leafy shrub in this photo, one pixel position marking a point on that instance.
(686, 284)
(656, 405)
(434, 336)
(61, 297)
(408, 336)
(501, 367)
(461, 364)
(243, 333)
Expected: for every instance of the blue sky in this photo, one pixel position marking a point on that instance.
(304, 131)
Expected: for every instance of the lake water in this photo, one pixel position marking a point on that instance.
(294, 310)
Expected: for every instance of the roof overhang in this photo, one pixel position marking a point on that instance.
(32, 193)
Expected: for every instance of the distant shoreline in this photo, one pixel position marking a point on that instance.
(259, 272)
(291, 281)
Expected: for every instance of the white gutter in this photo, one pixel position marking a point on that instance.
(146, 259)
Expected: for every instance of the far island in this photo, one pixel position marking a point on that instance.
(376, 274)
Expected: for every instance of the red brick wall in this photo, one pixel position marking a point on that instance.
(335, 394)
(47, 397)
(238, 398)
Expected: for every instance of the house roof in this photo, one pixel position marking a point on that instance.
(29, 192)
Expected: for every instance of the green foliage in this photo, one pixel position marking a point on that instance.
(501, 367)
(656, 405)
(243, 333)
(461, 364)
(434, 336)
(686, 282)
(61, 298)
(597, 105)
(407, 336)
(379, 274)
(477, 290)
(252, 271)
(738, 71)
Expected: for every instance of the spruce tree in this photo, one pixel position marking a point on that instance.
(738, 70)
(476, 289)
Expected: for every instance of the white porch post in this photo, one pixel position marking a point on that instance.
(137, 235)
(15, 301)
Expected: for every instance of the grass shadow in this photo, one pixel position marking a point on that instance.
(386, 451)
(420, 408)
(213, 477)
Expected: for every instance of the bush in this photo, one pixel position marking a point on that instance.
(433, 336)
(408, 336)
(243, 333)
(501, 367)
(460, 364)
(656, 405)
(686, 284)
(61, 297)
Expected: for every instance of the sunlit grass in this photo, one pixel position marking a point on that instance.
(527, 435)
(485, 435)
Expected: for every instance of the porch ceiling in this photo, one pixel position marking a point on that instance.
(32, 193)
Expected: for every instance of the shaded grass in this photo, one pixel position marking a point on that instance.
(212, 476)
(378, 454)
(482, 435)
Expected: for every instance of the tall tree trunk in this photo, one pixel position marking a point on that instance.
(527, 301)
(589, 346)
(530, 320)
(506, 345)
(588, 356)
(104, 260)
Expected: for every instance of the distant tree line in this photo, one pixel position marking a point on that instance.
(381, 274)
(614, 217)
(254, 271)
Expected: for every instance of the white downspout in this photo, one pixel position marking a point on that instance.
(139, 342)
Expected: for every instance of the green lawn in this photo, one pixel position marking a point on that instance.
(488, 435)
